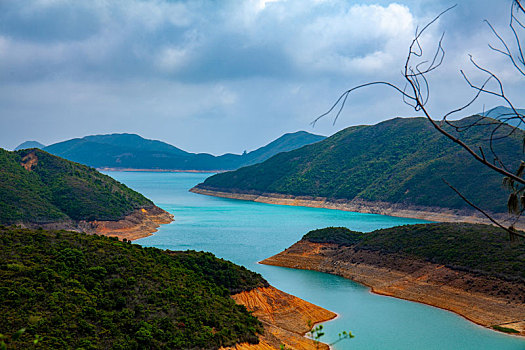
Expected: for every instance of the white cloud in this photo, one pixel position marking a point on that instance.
(172, 59)
(261, 4)
(365, 38)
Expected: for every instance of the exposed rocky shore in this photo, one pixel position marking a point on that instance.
(436, 214)
(285, 317)
(140, 223)
(487, 301)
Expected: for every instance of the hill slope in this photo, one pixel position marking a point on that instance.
(134, 152)
(399, 162)
(93, 292)
(37, 188)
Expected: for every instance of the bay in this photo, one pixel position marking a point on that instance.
(247, 232)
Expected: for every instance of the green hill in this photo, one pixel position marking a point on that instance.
(80, 291)
(400, 161)
(475, 248)
(37, 187)
(133, 151)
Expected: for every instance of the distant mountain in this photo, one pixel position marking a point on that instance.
(118, 150)
(506, 115)
(287, 142)
(398, 162)
(129, 151)
(29, 144)
(39, 188)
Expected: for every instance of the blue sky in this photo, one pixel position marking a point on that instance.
(225, 76)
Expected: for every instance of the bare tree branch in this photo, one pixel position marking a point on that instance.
(512, 232)
(416, 93)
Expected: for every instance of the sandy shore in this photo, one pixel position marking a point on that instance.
(286, 319)
(139, 224)
(486, 301)
(383, 208)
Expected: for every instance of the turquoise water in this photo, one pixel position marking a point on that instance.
(247, 232)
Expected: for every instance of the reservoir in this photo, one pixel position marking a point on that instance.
(247, 232)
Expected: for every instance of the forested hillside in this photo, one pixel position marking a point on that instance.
(472, 247)
(78, 291)
(399, 161)
(37, 187)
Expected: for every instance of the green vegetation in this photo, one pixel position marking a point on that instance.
(476, 248)
(78, 291)
(335, 235)
(133, 151)
(401, 161)
(505, 329)
(55, 190)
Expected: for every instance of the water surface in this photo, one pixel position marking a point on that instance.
(247, 232)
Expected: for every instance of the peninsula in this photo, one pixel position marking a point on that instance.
(472, 270)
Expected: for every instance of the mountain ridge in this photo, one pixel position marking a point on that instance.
(131, 151)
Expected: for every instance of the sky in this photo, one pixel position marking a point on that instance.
(231, 75)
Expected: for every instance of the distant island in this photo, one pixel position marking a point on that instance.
(38, 189)
(395, 168)
(133, 152)
(471, 269)
(71, 290)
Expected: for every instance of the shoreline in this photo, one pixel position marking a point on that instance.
(360, 206)
(140, 223)
(285, 319)
(426, 285)
(374, 291)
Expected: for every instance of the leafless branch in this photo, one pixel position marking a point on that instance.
(416, 93)
(512, 232)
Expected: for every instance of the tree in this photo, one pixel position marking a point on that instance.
(416, 93)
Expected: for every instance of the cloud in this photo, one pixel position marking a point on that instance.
(362, 38)
(140, 38)
(226, 75)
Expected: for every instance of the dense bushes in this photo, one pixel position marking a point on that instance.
(94, 292)
(477, 248)
(336, 235)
